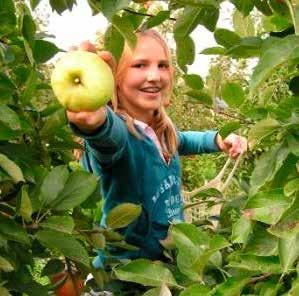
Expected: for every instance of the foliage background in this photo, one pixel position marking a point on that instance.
(47, 203)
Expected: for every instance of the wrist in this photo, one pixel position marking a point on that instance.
(219, 142)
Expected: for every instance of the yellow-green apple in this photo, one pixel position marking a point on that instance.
(82, 81)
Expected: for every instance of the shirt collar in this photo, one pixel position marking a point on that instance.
(142, 125)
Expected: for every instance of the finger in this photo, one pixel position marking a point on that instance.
(108, 58)
(87, 46)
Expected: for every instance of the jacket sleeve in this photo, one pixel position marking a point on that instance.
(106, 144)
(192, 142)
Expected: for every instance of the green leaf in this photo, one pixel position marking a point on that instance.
(188, 239)
(53, 123)
(267, 166)
(194, 249)
(9, 117)
(216, 244)
(28, 28)
(261, 242)
(161, 291)
(232, 93)
(110, 8)
(44, 50)
(279, 7)
(11, 169)
(145, 272)
(53, 184)
(194, 81)
(30, 85)
(231, 287)
(241, 230)
(248, 47)
(4, 292)
(79, 186)
(229, 128)
(122, 215)
(243, 26)
(31, 288)
(125, 28)
(24, 204)
(156, 20)
(5, 265)
(263, 264)
(261, 130)
(61, 5)
(7, 22)
(288, 225)
(209, 16)
(295, 288)
(53, 266)
(196, 289)
(217, 50)
(123, 245)
(65, 244)
(267, 206)
(188, 235)
(114, 42)
(288, 249)
(187, 22)
(98, 240)
(59, 223)
(185, 52)
(200, 96)
(6, 86)
(269, 288)
(282, 51)
(34, 3)
(291, 187)
(226, 38)
(245, 6)
(293, 145)
(13, 231)
(6, 53)
(263, 7)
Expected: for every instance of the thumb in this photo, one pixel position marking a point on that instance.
(87, 46)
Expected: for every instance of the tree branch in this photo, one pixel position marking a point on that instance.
(144, 14)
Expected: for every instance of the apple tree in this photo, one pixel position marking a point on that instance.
(47, 202)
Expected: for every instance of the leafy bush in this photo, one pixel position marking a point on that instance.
(45, 205)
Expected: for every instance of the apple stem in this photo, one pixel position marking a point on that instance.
(77, 80)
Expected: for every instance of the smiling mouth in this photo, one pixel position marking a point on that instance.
(151, 89)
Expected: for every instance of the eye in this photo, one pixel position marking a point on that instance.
(138, 65)
(164, 65)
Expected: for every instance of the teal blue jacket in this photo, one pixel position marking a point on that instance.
(132, 170)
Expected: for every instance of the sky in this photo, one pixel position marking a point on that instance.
(71, 28)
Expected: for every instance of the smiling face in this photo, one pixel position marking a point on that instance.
(146, 79)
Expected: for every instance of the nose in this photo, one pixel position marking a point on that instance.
(153, 74)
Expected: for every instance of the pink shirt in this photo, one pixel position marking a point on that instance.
(148, 131)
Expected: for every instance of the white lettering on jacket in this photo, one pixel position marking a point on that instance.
(173, 203)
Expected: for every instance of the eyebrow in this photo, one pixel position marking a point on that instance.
(144, 61)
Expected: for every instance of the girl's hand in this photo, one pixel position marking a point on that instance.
(89, 121)
(233, 144)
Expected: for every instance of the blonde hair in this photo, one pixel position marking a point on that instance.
(162, 124)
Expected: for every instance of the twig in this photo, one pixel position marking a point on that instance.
(144, 14)
(259, 278)
(216, 182)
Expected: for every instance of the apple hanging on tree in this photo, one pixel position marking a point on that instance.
(82, 81)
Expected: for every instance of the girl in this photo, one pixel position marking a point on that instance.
(135, 147)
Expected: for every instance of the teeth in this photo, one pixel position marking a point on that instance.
(151, 89)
